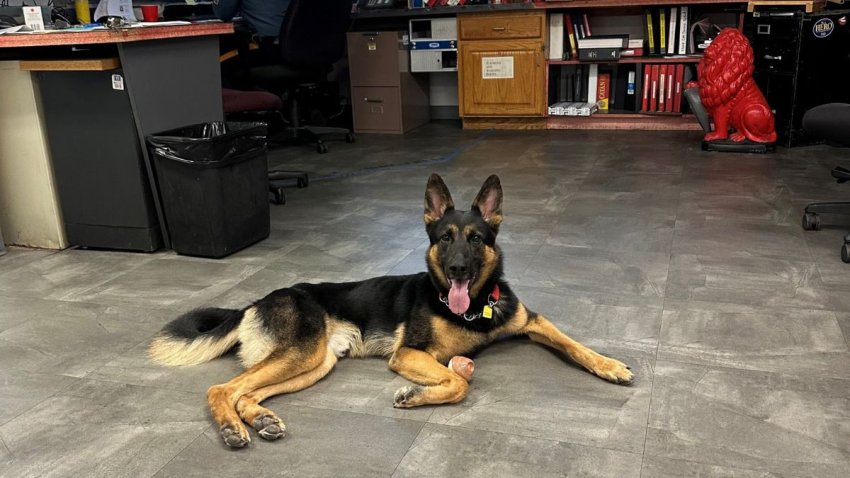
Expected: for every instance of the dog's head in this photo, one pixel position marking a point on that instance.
(463, 255)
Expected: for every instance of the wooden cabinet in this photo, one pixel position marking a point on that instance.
(501, 67)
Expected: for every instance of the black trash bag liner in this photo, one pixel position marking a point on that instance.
(209, 144)
(213, 182)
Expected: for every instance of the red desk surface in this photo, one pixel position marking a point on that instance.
(115, 36)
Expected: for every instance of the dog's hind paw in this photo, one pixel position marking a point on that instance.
(404, 396)
(269, 427)
(235, 437)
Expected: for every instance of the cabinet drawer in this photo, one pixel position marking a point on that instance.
(373, 58)
(376, 109)
(500, 27)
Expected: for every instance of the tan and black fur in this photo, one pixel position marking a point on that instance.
(293, 337)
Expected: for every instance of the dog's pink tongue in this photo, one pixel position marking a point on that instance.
(459, 296)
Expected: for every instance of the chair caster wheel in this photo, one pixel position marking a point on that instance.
(279, 196)
(349, 138)
(845, 253)
(303, 182)
(811, 221)
(321, 148)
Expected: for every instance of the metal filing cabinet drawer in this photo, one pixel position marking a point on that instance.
(373, 58)
(376, 109)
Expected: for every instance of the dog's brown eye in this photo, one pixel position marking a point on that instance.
(446, 237)
(475, 239)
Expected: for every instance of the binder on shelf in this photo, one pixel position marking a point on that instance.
(653, 89)
(677, 99)
(671, 31)
(571, 35)
(633, 103)
(668, 104)
(615, 96)
(577, 81)
(619, 84)
(647, 71)
(563, 74)
(649, 32)
(662, 34)
(684, 11)
(662, 87)
(556, 36)
(578, 84)
(592, 79)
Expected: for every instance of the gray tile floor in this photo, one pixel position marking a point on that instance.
(692, 267)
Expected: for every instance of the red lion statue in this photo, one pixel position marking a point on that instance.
(729, 94)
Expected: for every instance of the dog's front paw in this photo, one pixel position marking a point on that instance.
(404, 397)
(614, 371)
(235, 436)
(269, 427)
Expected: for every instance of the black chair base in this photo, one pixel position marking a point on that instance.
(811, 220)
(278, 180)
(312, 134)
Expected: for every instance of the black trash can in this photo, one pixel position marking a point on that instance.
(213, 181)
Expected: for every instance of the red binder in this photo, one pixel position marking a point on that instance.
(677, 94)
(662, 88)
(644, 105)
(653, 89)
(671, 73)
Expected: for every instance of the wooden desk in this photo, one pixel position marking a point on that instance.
(171, 78)
(124, 35)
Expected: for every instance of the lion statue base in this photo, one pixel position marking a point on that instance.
(731, 98)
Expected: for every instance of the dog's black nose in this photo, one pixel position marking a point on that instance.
(458, 270)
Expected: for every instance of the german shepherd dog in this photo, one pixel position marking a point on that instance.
(293, 337)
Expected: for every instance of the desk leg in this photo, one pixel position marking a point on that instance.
(171, 83)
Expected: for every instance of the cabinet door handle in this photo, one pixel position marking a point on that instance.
(499, 29)
(771, 57)
(373, 100)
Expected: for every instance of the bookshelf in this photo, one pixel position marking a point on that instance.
(523, 100)
(646, 86)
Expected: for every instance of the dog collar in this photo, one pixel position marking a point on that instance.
(486, 312)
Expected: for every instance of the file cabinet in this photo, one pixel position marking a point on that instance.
(802, 60)
(385, 96)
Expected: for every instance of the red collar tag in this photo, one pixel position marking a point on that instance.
(495, 294)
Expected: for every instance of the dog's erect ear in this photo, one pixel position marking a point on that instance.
(438, 200)
(489, 201)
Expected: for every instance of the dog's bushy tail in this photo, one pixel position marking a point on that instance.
(196, 337)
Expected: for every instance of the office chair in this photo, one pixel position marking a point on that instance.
(312, 39)
(240, 105)
(830, 122)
